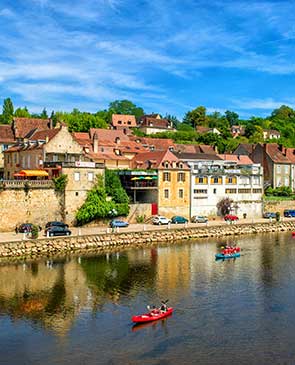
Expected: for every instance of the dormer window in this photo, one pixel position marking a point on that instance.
(171, 148)
(119, 121)
(166, 164)
(117, 140)
(152, 148)
(129, 123)
(180, 165)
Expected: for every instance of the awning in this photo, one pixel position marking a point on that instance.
(33, 173)
(148, 178)
(135, 178)
(17, 174)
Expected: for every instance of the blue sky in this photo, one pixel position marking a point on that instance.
(166, 56)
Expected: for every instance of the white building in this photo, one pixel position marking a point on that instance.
(216, 177)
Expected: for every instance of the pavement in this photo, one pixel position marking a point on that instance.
(93, 230)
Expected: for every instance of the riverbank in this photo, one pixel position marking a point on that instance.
(97, 242)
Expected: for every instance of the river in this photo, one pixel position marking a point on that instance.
(77, 310)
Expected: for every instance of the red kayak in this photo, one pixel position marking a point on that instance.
(153, 315)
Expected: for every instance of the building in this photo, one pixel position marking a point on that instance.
(154, 123)
(237, 130)
(173, 181)
(19, 129)
(214, 177)
(6, 140)
(123, 121)
(271, 134)
(48, 154)
(113, 148)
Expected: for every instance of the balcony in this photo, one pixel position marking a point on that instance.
(141, 185)
(70, 164)
(20, 184)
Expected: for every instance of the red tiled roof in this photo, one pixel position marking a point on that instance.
(159, 144)
(6, 134)
(193, 148)
(239, 159)
(22, 126)
(108, 135)
(276, 154)
(155, 160)
(155, 123)
(43, 134)
(119, 120)
(106, 156)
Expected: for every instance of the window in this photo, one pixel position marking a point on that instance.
(286, 169)
(216, 180)
(214, 191)
(180, 193)
(245, 191)
(55, 158)
(129, 123)
(15, 158)
(119, 121)
(181, 176)
(166, 194)
(200, 191)
(230, 191)
(256, 180)
(278, 169)
(286, 181)
(166, 176)
(257, 191)
(231, 180)
(76, 193)
(77, 176)
(201, 180)
(90, 176)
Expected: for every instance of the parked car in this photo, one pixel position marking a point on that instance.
(269, 215)
(25, 227)
(199, 219)
(230, 217)
(57, 231)
(289, 213)
(161, 220)
(56, 224)
(177, 219)
(117, 223)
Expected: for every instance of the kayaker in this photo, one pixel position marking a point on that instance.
(163, 307)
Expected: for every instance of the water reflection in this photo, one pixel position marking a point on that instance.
(86, 303)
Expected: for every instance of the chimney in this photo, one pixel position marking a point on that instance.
(95, 143)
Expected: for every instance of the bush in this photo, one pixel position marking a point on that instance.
(140, 218)
(280, 191)
(224, 206)
(34, 231)
(278, 216)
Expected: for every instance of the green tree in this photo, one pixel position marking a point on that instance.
(196, 117)
(7, 111)
(44, 114)
(22, 113)
(232, 117)
(80, 121)
(173, 119)
(125, 107)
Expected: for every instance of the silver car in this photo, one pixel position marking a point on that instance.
(199, 219)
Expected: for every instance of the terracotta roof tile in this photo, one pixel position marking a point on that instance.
(6, 134)
(155, 160)
(276, 154)
(22, 126)
(123, 120)
(152, 122)
(239, 159)
(43, 134)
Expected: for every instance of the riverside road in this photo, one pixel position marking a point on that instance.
(93, 230)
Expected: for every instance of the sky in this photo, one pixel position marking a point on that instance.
(167, 56)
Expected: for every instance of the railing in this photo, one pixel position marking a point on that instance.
(14, 184)
(68, 164)
(141, 185)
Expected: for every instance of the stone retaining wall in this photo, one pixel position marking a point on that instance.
(53, 246)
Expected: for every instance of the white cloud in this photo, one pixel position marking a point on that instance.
(265, 104)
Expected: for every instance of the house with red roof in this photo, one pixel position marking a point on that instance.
(6, 140)
(154, 123)
(123, 121)
(160, 178)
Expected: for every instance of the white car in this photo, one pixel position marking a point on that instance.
(161, 220)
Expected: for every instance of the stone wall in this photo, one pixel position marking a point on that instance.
(37, 205)
(94, 243)
(278, 206)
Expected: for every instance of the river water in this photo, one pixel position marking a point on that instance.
(77, 310)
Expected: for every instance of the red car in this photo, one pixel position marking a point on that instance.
(230, 217)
